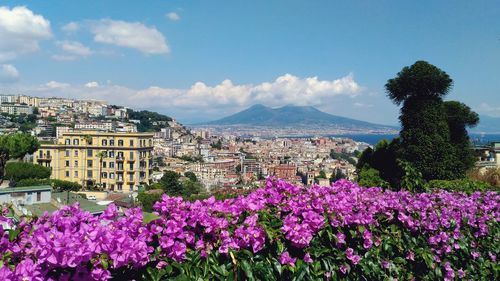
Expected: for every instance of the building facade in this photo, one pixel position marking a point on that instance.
(113, 161)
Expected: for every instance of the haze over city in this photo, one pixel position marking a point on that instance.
(203, 60)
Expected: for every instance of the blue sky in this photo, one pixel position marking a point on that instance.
(200, 60)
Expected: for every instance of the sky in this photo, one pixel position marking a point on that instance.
(203, 60)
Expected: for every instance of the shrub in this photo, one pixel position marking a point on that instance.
(462, 185)
(22, 170)
(279, 232)
(59, 185)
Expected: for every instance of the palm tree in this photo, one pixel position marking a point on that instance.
(101, 155)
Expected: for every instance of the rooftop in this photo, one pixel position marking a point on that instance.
(25, 189)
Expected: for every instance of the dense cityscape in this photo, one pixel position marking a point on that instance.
(263, 140)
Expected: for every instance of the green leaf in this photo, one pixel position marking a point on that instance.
(247, 268)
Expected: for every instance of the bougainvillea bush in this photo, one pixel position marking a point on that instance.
(277, 232)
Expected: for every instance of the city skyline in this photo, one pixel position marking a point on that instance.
(202, 61)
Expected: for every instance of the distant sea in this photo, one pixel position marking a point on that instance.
(373, 139)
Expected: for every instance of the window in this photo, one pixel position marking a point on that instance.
(112, 164)
(89, 152)
(76, 141)
(112, 187)
(131, 166)
(76, 163)
(131, 177)
(104, 164)
(112, 142)
(76, 174)
(67, 141)
(40, 153)
(104, 142)
(131, 187)
(38, 196)
(131, 142)
(131, 155)
(67, 174)
(111, 154)
(89, 173)
(67, 152)
(111, 175)
(76, 152)
(66, 163)
(104, 175)
(120, 142)
(120, 187)
(89, 163)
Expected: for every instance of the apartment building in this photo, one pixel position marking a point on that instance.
(15, 109)
(114, 161)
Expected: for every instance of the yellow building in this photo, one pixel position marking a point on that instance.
(115, 161)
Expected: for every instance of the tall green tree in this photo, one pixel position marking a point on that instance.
(460, 117)
(426, 134)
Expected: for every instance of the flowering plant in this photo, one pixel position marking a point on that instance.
(277, 232)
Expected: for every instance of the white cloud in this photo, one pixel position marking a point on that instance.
(55, 85)
(286, 89)
(489, 109)
(362, 105)
(173, 16)
(92, 84)
(74, 48)
(131, 35)
(64, 57)
(8, 73)
(71, 27)
(202, 100)
(20, 32)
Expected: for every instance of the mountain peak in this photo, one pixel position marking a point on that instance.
(293, 116)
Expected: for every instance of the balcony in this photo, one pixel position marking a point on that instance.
(119, 158)
(119, 179)
(45, 157)
(118, 168)
(130, 160)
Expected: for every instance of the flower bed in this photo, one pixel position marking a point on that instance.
(278, 232)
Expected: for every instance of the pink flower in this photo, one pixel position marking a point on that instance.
(307, 258)
(285, 258)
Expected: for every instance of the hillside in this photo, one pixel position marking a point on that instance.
(293, 116)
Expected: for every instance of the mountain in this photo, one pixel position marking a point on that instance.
(487, 124)
(294, 116)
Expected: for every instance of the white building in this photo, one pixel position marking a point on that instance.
(14, 109)
(26, 195)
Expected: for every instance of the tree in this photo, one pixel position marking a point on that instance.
(16, 171)
(337, 175)
(371, 177)
(170, 183)
(16, 146)
(383, 158)
(148, 200)
(459, 117)
(190, 187)
(101, 155)
(426, 133)
(217, 145)
(322, 174)
(191, 176)
(238, 168)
